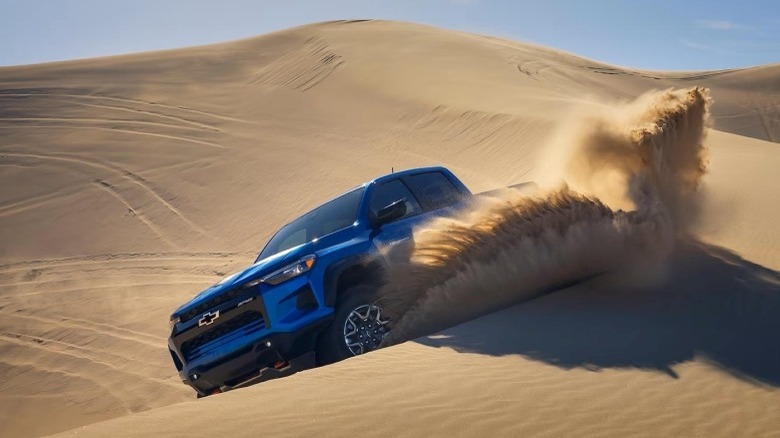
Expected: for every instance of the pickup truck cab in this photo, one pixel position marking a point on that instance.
(310, 295)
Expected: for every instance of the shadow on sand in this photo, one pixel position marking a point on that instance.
(713, 305)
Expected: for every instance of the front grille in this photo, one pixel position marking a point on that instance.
(190, 348)
(210, 304)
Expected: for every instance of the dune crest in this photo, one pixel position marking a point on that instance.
(646, 157)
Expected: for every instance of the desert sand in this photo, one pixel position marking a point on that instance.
(130, 183)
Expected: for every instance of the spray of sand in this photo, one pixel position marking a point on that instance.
(632, 173)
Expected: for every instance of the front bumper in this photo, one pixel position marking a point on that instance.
(272, 357)
(256, 333)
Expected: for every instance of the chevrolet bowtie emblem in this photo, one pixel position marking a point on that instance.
(208, 318)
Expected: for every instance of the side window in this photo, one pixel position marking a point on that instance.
(437, 189)
(390, 192)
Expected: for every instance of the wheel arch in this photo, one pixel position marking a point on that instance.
(349, 272)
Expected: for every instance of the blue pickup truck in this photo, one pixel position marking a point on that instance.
(309, 298)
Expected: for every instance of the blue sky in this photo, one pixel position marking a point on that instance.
(660, 34)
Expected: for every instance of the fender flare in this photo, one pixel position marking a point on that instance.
(334, 271)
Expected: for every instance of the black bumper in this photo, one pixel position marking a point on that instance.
(274, 356)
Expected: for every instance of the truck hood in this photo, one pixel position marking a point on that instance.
(261, 268)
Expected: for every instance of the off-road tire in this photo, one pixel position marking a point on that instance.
(332, 345)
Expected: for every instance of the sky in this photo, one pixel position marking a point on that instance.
(655, 35)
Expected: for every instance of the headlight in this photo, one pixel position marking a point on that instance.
(290, 271)
(174, 321)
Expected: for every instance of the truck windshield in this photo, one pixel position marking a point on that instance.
(325, 219)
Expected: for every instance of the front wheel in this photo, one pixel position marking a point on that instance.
(358, 326)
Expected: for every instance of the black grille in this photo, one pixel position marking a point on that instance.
(220, 330)
(209, 304)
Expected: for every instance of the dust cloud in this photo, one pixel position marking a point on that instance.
(627, 178)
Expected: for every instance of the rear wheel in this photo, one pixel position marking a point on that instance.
(358, 326)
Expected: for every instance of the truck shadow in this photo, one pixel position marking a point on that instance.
(713, 305)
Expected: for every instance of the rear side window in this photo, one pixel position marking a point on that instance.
(437, 189)
(390, 192)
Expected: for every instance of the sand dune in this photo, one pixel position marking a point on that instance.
(129, 183)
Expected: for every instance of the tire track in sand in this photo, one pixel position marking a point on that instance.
(78, 352)
(40, 200)
(35, 201)
(67, 290)
(124, 131)
(120, 171)
(108, 188)
(152, 114)
(68, 120)
(91, 326)
(23, 92)
(301, 68)
(120, 257)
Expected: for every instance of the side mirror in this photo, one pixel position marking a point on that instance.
(392, 212)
